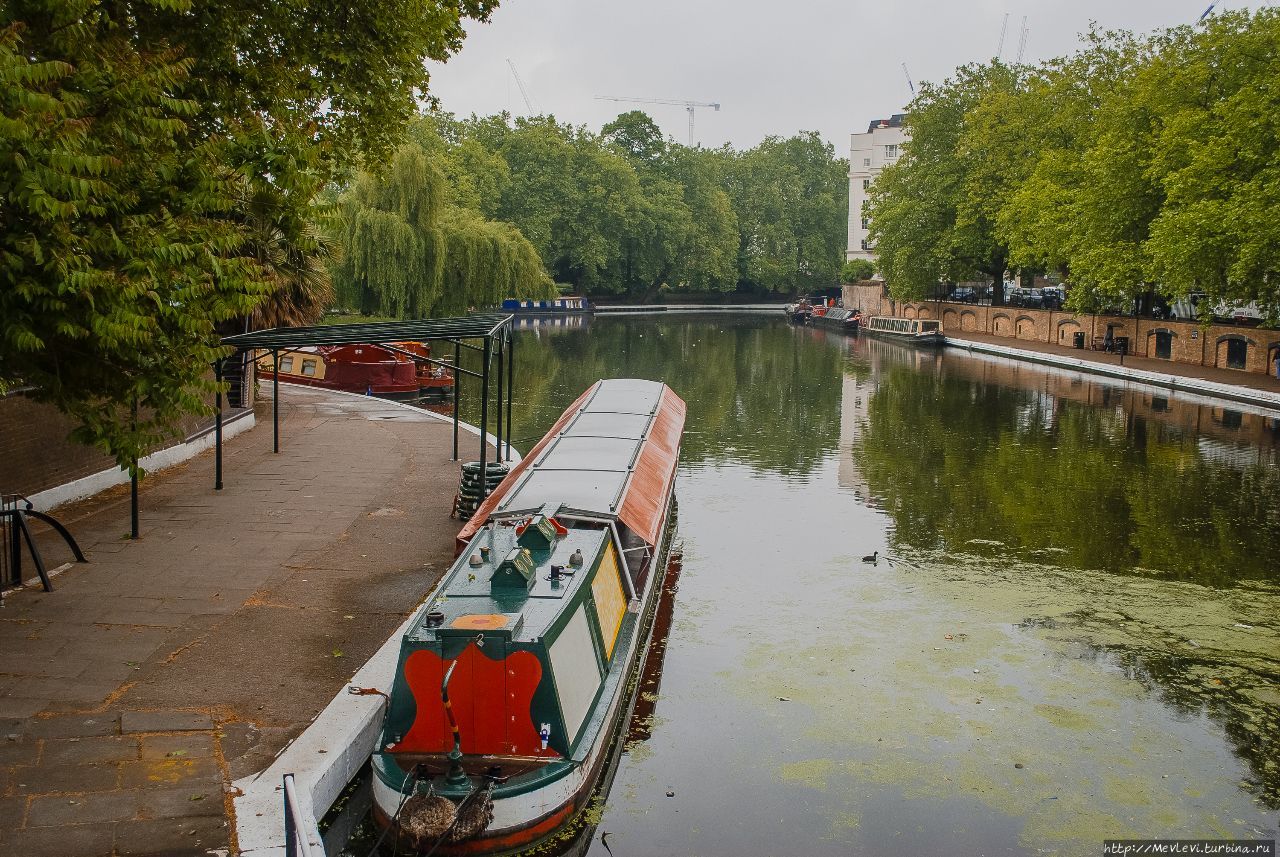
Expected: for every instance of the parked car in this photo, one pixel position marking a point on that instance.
(1054, 297)
(1015, 297)
(965, 294)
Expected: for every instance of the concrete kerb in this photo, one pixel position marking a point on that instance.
(1158, 381)
(325, 757)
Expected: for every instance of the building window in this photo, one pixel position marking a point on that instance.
(1164, 344)
(286, 364)
(866, 183)
(308, 367)
(865, 246)
(890, 151)
(866, 223)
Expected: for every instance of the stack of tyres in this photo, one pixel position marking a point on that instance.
(469, 493)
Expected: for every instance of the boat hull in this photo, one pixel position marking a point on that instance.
(915, 340)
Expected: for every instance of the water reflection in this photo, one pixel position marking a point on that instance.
(1074, 635)
(1072, 471)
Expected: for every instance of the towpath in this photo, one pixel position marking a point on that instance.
(150, 678)
(1247, 381)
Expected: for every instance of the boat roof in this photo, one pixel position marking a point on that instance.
(611, 455)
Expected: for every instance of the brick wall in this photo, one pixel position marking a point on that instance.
(36, 454)
(1188, 341)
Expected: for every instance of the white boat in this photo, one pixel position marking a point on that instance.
(920, 332)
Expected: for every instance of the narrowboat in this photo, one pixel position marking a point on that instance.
(920, 332)
(402, 371)
(837, 318)
(568, 304)
(517, 677)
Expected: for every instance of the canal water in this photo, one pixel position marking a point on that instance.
(1070, 632)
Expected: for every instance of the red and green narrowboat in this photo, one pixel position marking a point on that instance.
(516, 679)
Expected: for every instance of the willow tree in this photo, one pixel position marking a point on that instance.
(408, 253)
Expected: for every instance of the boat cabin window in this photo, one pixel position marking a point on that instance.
(928, 326)
(286, 364)
(308, 367)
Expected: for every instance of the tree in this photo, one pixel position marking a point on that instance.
(410, 253)
(791, 197)
(857, 270)
(1215, 148)
(137, 140)
(933, 212)
(119, 257)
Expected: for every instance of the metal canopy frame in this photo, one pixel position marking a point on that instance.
(494, 329)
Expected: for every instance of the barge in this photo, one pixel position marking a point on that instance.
(516, 680)
(918, 332)
(567, 305)
(402, 371)
(837, 318)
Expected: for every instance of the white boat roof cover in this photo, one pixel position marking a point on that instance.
(612, 454)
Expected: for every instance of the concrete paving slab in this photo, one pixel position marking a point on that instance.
(65, 811)
(73, 726)
(214, 639)
(163, 721)
(64, 779)
(182, 837)
(83, 840)
(199, 773)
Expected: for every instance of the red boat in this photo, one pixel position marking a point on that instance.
(397, 370)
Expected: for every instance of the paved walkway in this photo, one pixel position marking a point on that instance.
(1249, 380)
(151, 677)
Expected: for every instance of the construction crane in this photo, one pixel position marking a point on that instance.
(910, 82)
(1022, 41)
(687, 105)
(523, 92)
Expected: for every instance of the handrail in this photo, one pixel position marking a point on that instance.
(297, 843)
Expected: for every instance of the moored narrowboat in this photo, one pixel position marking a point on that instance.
(919, 332)
(567, 304)
(837, 318)
(516, 678)
(403, 371)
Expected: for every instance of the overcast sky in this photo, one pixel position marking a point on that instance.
(775, 68)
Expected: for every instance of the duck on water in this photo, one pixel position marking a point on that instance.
(514, 680)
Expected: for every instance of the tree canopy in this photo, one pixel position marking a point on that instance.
(158, 167)
(1132, 165)
(625, 211)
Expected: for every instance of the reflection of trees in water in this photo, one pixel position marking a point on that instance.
(955, 459)
(759, 391)
(1224, 692)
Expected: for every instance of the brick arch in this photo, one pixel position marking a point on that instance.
(1025, 327)
(1063, 328)
(950, 319)
(909, 311)
(1169, 330)
(1001, 325)
(1220, 349)
(968, 320)
(926, 312)
(1273, 359)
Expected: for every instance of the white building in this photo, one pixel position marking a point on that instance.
(869, 153)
